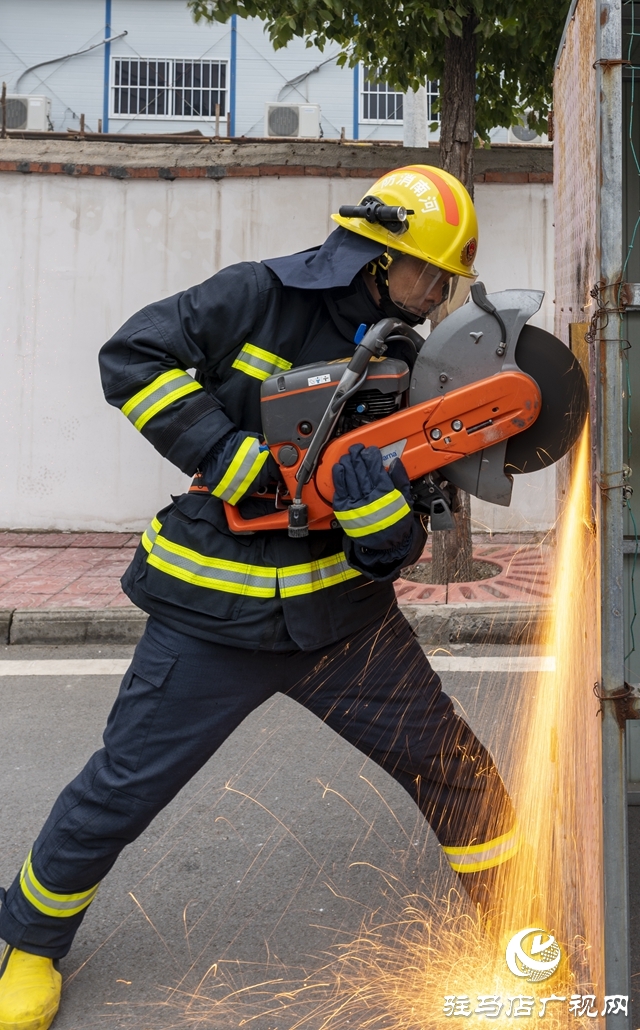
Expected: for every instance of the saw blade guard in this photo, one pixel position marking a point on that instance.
(487, 336)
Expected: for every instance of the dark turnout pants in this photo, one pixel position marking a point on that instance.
(179, 701)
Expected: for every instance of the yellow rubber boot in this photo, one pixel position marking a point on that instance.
(29, 991)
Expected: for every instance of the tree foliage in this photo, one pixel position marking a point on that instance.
(516, 42)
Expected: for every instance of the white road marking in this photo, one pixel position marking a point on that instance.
(65, 667)
(118, 666)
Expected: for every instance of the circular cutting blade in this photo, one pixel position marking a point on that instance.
(565, 402)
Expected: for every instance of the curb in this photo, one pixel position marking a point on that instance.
(72, 626)
(477, 623)
(434, 624)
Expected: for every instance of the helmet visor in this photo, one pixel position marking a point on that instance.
(457, 294)
(418, 286)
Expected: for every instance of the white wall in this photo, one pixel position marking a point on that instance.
(80, 255)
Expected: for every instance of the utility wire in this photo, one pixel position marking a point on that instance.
(76, 53)
(305, 75)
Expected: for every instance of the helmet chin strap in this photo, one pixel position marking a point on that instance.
(380, 271)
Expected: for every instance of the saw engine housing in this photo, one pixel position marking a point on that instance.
(487, 397)
(293, 403)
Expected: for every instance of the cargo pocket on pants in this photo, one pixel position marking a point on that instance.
(139, 698)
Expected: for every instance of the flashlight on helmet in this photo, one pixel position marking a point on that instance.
(373, 210)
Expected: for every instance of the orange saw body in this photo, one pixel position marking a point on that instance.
(489, 411)
(484, 397)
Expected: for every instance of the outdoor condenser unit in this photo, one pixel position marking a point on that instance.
(295, 120)
(523, 134)
(28, 113)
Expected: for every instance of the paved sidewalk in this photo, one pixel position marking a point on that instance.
(64, 570)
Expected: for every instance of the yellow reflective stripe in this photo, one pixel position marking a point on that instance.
(213, 573)
(243, 469)
(158, 395)
(308, 577)
(49, 902)
(375, 516)
(476, 857)
(259, 363)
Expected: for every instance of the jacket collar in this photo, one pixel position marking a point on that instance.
(335, 264)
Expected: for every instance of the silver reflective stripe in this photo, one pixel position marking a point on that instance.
(374, 517)
(259, 363)
(50, 902)
(153, 398)
(308, 577)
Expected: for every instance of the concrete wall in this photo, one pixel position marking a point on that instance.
(82, 253)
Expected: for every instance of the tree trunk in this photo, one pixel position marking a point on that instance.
(458, 103)
(452, 549)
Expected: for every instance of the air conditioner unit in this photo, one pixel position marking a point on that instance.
(523, 134)
(28, 113)
(295, 120)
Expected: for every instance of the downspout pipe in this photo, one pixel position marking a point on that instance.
(356, 101)
(609, 379)
(107, 66)
(233, 70)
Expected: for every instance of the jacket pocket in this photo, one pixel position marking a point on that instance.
(190, 564)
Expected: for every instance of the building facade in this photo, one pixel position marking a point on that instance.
(144, 66)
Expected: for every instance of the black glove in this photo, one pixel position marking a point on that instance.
(373, 506)
(239, 464)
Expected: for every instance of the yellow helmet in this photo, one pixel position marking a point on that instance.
(422, 211)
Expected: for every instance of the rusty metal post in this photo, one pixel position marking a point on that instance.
(609, 377)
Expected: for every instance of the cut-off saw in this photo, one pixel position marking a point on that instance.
(485, 397)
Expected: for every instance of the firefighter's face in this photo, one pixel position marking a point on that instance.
(417, 286)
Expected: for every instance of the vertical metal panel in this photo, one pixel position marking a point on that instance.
(589, 235)
(610, 227)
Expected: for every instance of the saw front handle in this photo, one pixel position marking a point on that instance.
(437, 431)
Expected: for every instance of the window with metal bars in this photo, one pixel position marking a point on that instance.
(177, 88)
(380, 103)
(433, 92)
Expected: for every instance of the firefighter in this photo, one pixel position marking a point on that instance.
(235, 618)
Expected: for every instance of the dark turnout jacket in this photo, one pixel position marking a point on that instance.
(261, 591)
